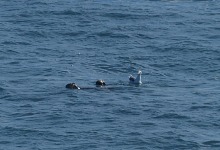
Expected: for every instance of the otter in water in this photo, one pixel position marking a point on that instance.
(74, 86)
(100, 83)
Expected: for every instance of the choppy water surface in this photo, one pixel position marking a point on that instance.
(46, 44)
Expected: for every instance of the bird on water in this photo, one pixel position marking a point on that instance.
(136, 80)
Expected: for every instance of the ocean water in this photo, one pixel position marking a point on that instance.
(46, 44)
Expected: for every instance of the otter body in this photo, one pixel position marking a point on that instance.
(100, 83)
(72, 86)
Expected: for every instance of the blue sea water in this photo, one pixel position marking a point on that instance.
(46, 44)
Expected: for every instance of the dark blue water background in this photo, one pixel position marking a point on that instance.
(46, 44)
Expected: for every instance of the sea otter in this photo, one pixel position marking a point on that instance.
(74, 86)
(100, 83)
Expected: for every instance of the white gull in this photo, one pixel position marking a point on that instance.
(136, 80)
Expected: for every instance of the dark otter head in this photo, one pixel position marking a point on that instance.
(72, 86)
(100, 82)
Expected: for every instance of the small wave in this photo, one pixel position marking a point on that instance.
(67, 13)
(5, 142)
(143, 36)
(199, 107)
(37, 3)
(144, 124)
(26, 106)
(14, 63)
(117, 15)
(112, 35)
(1, 89)
(214, 37)
(126, 112)
(135, 133)
(15, 43)
(212, 143)
(22, 114)
(23, 43)
(171, 116)
(73, 34)
(24, 131)
(37, 34)
(124, 15)
(25, 14)
(8, 43)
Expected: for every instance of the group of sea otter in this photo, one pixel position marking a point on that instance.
(132, 80)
